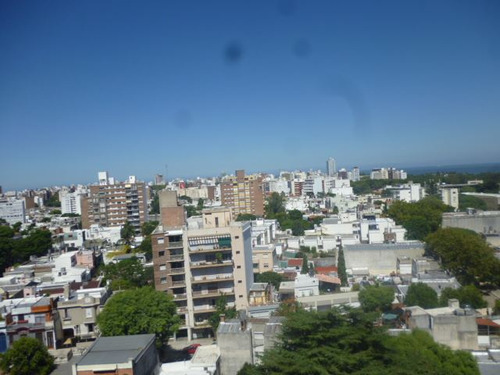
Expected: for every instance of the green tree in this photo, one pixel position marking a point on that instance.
(376, 298)
(420, 294)
(275, 204)
(343, 341)
(127, 233)
(305, 265)
(139, 311)
(341, 268)
(468, 295)
(420, 218)
(53, 201)
(496, 309)
(155, 204)
(186, 198)
(200, 204)
(246, 217)
(465, 254)
(55, 212)
(270, 277)
(148, 227)
(126, 274)
(27, 356)
(298, 228)
(470, 201)
(221, 309)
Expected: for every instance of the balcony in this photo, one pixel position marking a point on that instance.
(175, 258)
(178, 283)
(176, 271)
(208, 249)
(212, 278)
(204, 309)
(180, 297)
(182, 310)
(212, 293)
(175, 244)
(207, 264)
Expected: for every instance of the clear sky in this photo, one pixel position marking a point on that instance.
(211, 86)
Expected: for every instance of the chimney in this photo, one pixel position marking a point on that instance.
(66, 292)
(453, 303)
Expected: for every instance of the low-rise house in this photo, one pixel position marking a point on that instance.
(260, 294)
(120, 355)
(451, 326)
(79, 309)
(264, 258)
(304, 285)
(34, 317)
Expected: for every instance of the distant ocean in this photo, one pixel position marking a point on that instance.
(463, 168)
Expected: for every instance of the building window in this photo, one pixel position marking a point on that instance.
(161, 253)
(163, 267)
(89, 313)
(239, 281)
(238, 252)
(161, 241)
(241, 296)
(238, 266)
(163, 280)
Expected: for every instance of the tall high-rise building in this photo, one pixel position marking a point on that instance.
(243, 194)
(198, 263)
(355, 174)
(112, 203)
(13, 210)
(331, 167)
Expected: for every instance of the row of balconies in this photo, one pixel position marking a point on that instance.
(209, 264)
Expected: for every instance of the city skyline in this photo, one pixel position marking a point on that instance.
(206, 88)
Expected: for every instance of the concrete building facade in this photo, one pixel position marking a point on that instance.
(113, 203)
(198, 264)
(243, 194)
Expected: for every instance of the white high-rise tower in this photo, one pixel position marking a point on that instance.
(331, 167)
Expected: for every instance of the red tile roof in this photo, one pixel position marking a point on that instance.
(297, 262)
(326, 270)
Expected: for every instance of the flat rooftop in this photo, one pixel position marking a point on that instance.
(117, 349)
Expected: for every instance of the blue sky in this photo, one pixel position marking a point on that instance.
(212, 86)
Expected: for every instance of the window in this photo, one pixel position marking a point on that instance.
(163, 267)
(239, 281)
(161, 241)
(89, 313)
(161, 253)
(163, 280)
(237, 252)
(241, 296)
(238, 266)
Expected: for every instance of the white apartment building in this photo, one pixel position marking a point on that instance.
(407, 192)
(71, 202)
(313, 185)
(449, 196)
(13, 210)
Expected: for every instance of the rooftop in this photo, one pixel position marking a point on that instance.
(117, 349)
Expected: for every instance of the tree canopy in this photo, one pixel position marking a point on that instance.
(470, 201)
(376, 298)
(420, 294)
(468, 295)
(466, 255)
(127, 233)
(275, 204)
(126, 274)
(27, 356)
(17, 250)
(139, 311)
(342, 268)
(270, 277)
(346, 342)
(222, 309)
(420, 218)
(148, 227)
(246, 217)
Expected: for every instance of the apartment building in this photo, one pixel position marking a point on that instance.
(198, 262)
(13, 210)
(112, 203)
(243, 194)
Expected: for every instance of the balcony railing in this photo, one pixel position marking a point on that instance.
(180, 296)
(181, 282)
(212, 292)
(173, 258)
(176, 244)
(208, 264)
(212, 278)
(176, 271)
(208, 248)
